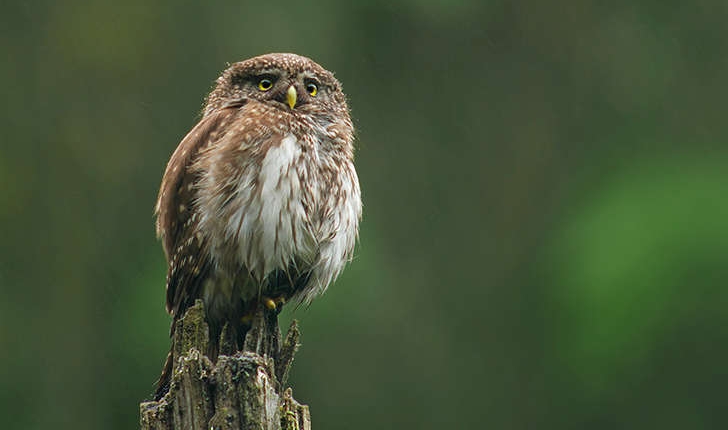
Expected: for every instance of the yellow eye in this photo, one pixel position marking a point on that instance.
(265, 84)
(312, 89)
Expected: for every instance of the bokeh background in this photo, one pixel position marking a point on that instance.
(544, 242)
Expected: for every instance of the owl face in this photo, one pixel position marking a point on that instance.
(289, 82)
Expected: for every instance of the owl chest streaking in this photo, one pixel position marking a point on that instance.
(260, 200)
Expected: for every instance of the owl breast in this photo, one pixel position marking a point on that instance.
(276, 226)
(284, 209)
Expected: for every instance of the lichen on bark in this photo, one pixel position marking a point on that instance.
(244, 390)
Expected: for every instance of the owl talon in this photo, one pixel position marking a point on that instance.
(273, 304)
(269, 303)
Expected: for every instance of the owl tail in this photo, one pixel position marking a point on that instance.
(165, 378)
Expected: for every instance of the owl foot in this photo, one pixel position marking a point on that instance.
(274, 304)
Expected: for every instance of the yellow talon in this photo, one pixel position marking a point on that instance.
(269, 303)
(275, 303)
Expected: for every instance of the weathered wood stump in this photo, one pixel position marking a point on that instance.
(242, 390)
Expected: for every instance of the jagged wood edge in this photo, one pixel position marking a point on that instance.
(196, 393)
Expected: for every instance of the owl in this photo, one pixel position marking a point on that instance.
(260, 202)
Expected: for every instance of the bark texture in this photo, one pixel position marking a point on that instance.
(243, 390)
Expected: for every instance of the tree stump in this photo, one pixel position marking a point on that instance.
(242, 390)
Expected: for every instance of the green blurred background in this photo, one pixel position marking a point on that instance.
(544, 242)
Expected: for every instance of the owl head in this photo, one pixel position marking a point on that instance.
(289, 82)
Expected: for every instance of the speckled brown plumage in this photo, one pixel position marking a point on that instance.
(261, 198)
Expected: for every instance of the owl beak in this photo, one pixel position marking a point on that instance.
(291, 96)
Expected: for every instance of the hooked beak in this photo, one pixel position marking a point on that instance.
(291, 96)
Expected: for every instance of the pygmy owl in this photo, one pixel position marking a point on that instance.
(260, 202)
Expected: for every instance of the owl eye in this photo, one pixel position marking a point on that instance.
(312, 88)
(265, 84)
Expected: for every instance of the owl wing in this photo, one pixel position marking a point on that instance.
(186, 252)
